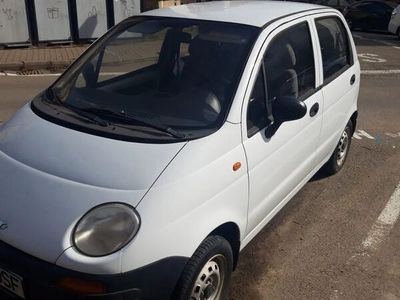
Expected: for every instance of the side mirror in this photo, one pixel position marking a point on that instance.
(285, 109)
(288, 109)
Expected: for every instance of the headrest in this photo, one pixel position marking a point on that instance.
(198, 46)
(184, 37)
(178, 36)
(291, 54)
(282, 55)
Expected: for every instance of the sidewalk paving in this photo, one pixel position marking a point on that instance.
(56, 57)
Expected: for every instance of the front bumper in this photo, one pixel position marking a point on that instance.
(40, 278)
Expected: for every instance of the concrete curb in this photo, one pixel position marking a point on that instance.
(34, 65)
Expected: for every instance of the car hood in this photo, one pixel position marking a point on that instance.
(50, 176)
(81, 157)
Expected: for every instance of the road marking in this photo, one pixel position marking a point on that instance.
(362, 133)
(381, 228)
(370, 57)
(393, 135)
(359, 134)
(366, 134)
(379, 72)
(384, 223)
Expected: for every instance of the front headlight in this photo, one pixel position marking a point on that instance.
(106, 229)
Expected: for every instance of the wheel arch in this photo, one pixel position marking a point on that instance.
(353, 120)
(231, 232)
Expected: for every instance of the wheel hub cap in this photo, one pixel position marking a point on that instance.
(342, 148)
(209, 282)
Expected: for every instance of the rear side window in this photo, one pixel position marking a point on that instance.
(335, 47)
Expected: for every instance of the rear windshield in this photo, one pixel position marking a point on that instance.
(155, 78)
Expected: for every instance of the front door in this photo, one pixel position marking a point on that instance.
(280, 163)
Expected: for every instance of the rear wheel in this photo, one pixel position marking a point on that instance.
(338, 158)
(208, 272)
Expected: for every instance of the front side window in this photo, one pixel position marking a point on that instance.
(157, 78)
(290, 72)
(335, 47)
(289, 64)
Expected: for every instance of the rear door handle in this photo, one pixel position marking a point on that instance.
(353, 79)
(314, 109)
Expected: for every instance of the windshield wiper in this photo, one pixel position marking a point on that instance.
(87, 115)
(132, 118)
(90, 113)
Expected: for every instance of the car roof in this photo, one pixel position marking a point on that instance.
(255, 13)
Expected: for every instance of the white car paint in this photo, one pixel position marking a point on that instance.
(182, 191)
(270, 186)
(394, 24)
(75, 172)
(234, 11)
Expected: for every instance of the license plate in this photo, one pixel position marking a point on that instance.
(11, 282)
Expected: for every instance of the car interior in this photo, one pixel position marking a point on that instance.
(189, 86)
(290, 64)
(333, 48)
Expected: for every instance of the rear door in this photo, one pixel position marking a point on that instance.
(287, 66)
(341, 72)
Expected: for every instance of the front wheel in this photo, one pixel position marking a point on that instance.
(338, 158)
(207, 273)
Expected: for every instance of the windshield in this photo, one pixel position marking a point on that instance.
(179, 75)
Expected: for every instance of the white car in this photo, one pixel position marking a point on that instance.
(145, 169)
(394, 24)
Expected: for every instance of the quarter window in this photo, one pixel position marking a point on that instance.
(257, 109)
(335, 47)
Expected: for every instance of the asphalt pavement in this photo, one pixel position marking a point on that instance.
(329, 241)
(377, 51)
(313, 249)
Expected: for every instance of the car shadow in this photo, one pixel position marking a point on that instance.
(321, 174)
(375, 38)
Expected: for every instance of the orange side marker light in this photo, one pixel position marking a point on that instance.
(236, 166)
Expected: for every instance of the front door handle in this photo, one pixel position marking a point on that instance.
(314, 109)
(353, 79)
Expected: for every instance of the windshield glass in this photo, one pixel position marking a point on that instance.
(176, 74)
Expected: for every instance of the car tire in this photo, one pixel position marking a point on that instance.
(398, 33)
(338, 158)
(208, 272)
